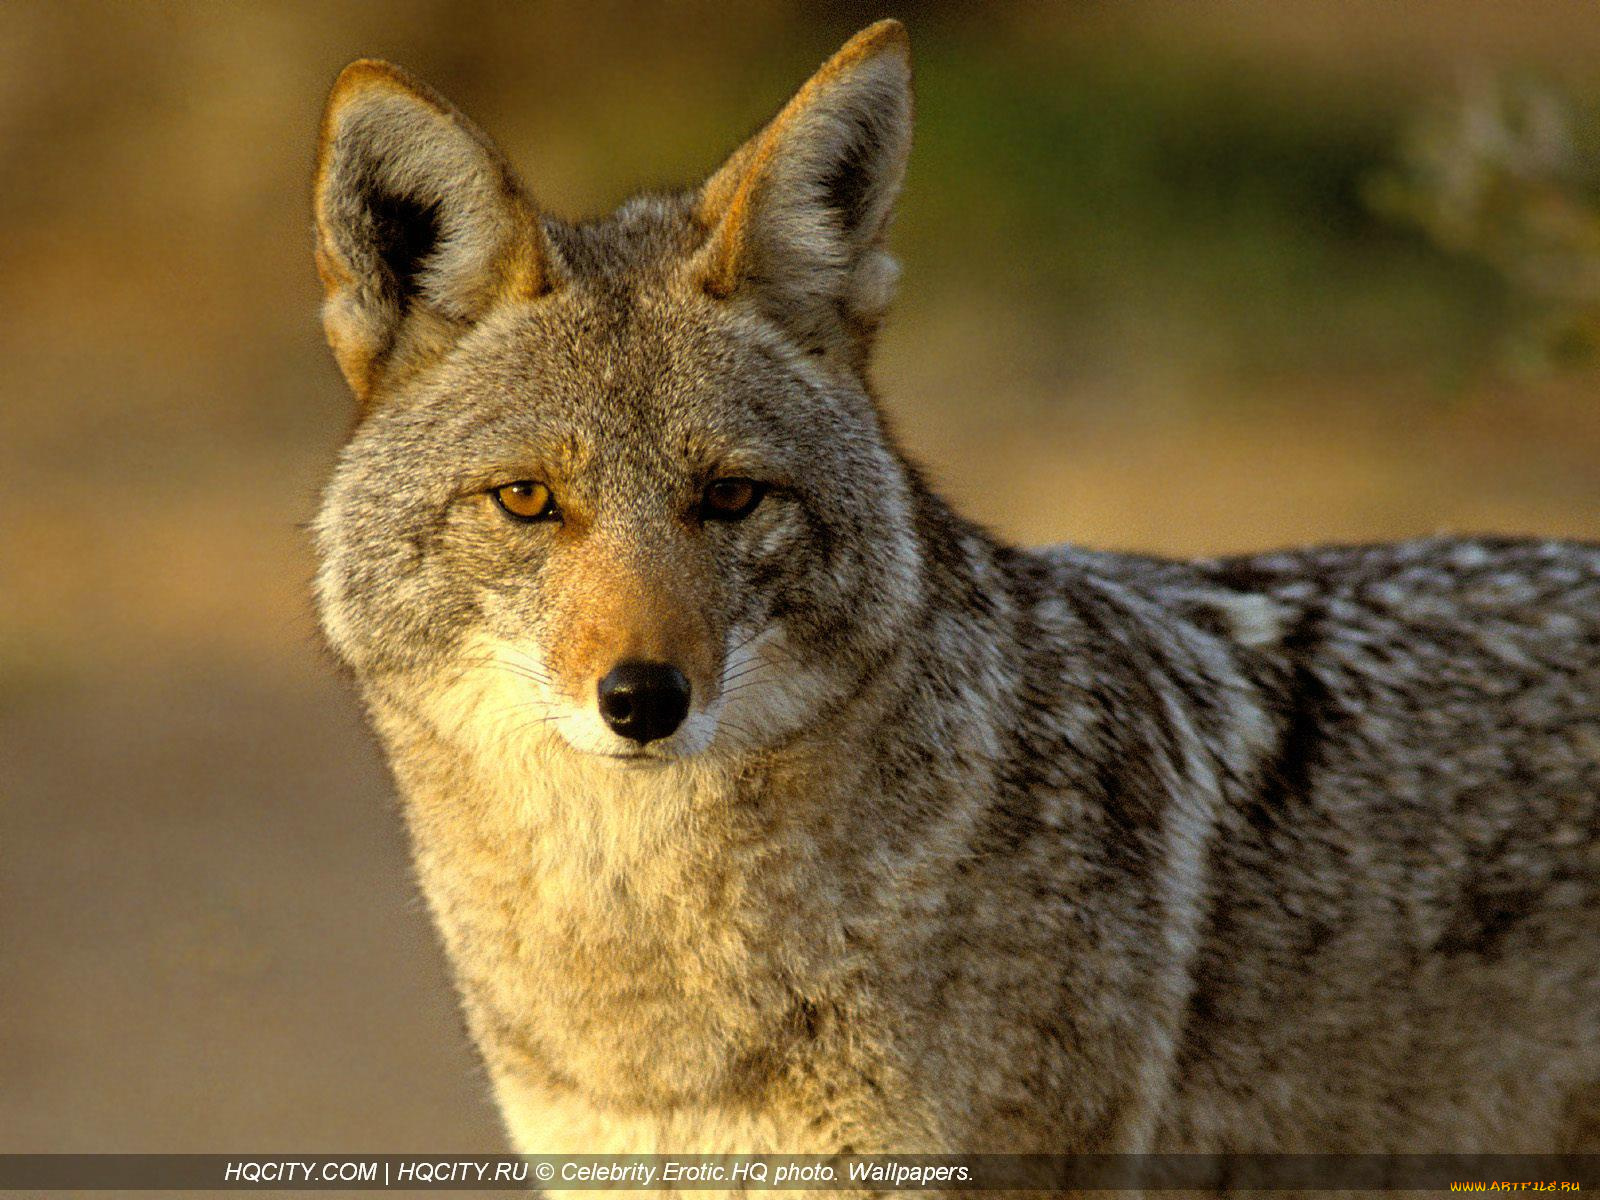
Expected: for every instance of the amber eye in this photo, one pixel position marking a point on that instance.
(527, 501)
(730, 499)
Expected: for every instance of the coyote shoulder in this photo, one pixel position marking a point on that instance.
(764, 803)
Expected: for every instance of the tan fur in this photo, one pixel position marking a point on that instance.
(621, 604)
(499, 252)
(958, 847)
(760, 206)
(732, 198)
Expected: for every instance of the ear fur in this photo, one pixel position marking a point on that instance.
(799, 214)
(421, 224)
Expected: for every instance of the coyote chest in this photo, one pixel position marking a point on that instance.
(609, 937)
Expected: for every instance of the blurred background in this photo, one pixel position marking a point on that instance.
(1187, 278)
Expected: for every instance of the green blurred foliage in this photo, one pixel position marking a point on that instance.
(1507, 172)
(1174, 205)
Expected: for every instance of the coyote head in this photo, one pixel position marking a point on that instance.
(616, 485)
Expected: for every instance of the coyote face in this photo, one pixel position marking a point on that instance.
(622, 482)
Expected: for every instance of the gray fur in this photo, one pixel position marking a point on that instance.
(987, 849)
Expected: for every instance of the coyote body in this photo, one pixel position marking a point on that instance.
(949, 846)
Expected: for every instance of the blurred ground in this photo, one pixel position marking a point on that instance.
(1145, 305)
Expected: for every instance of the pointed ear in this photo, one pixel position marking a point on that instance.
(799, 214)
(421, 225)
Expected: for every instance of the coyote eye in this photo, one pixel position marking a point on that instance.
(730, 499)
(526, 500)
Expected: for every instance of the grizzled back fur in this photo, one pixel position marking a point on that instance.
(956, 846)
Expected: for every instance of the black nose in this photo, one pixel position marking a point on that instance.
(644, 700)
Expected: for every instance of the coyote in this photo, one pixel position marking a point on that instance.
(763, 803)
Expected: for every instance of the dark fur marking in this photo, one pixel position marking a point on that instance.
(847, 186)
(406, 231)
(1307, 707)
(1485, 917)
